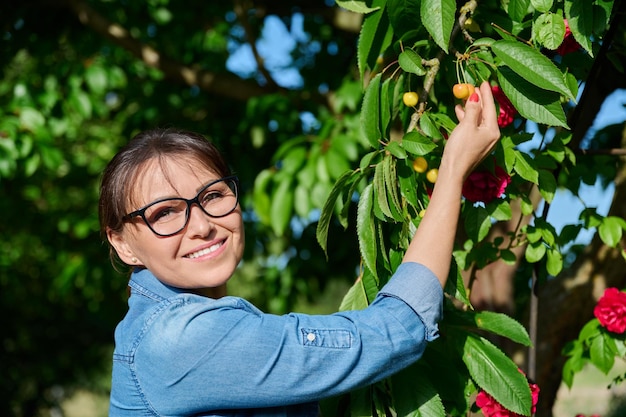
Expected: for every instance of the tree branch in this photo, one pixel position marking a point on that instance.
(223, 84)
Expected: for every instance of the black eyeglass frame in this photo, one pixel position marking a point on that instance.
(196, 200)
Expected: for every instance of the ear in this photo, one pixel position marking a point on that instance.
(122, 247)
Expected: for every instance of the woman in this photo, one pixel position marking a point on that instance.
(169, 208)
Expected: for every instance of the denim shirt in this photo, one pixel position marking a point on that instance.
(180, 354)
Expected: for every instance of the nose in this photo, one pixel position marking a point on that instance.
(199, 223)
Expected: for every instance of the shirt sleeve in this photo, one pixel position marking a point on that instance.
(195, 355)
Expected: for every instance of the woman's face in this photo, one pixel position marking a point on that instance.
(202, 255)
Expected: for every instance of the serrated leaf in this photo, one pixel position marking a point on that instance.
(494, 372)
(380, 192)
(366, 230)
(549, 30)
(376, 35)
(542, 6)
(429, 127)
(355, 298)
(323, 223)
(391, 187)
(438, 19)
(580, 16)
(370, 113)
(525, 167)
(602, 352)
(518, 9)
(411, 62)
(540, 106)
(531, 65)
(417, 144)
(356, 6)
(502, 325)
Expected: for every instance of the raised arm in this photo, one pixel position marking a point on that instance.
(470, 142)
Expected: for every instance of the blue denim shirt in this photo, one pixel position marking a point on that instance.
(180, 354)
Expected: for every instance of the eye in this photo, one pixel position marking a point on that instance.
(165, 211)
(212, 195)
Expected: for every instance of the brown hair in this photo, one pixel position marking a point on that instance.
(123, 170)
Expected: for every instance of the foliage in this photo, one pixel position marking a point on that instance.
(396, 55)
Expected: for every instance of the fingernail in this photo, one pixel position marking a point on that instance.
(473, 97)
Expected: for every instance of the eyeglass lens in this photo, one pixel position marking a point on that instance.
(170, 216)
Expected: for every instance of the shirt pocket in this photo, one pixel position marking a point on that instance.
(328, 338)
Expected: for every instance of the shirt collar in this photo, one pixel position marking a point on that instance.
(144, 282)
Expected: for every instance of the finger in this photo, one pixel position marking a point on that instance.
(460, 112)
(489, 113)
(473, 108)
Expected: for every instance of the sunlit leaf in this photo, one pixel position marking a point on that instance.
(438, 19)
(498, 375)
(533, 103)
(531, 65)
(370, 113)
(356, 6)
(411, 62)
(366, 230)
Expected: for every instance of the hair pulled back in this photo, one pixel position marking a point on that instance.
(123, 171)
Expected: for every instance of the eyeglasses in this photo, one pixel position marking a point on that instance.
(168, 216)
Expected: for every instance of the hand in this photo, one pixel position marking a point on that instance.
(476, 134)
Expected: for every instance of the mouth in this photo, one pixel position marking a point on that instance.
(204, 251)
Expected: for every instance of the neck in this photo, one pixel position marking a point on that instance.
(213, 292)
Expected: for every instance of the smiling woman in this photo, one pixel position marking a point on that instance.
(169, 209)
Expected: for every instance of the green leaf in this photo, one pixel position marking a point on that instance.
(533, 103)
(602, 352)
(380, 192)
(366, 230)
(531, 65)
(477, 223)
(356, 6)
(391, 187)
(376, 35)
(549, 30)
(580, 16)
(429, 127)
(355, 298)
(96, 78)
(282, 206)
(610, 231)
(411, 62)
(542, 6)
(328, 209)
(525, 167)
(502, 325)
(438, 19)
(547, 185)
(370, 113)
(554, 264)
(414, 395)
(494, 372)
(417, 144)
(31, 119)
(535, 252)
(518, 9)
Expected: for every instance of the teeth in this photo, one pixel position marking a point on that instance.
(204, 251)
